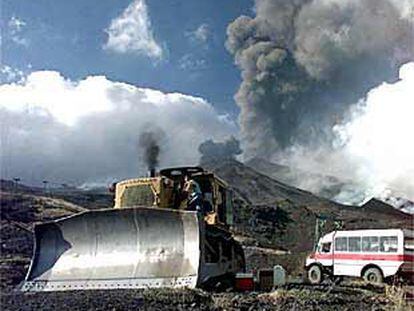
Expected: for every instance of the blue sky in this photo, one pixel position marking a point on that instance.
(69, 37)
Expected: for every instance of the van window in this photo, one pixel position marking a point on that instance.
(341, 244)
(354, 244)
(370, 244)
(409, 244)
(325, 247)
(388, 244)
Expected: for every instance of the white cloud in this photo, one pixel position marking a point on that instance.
(195, 60)
(379, 137)
(189, 61)
(201, 33)
(87, 131)
(131, 32)
(15, 28)
(69, 102)
(406, 7)
(16, 23)
(9, 74)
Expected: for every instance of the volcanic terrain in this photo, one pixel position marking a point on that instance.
(274, 222)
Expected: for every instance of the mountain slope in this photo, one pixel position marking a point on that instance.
(322, 185)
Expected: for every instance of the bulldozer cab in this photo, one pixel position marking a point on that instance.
(166, 191)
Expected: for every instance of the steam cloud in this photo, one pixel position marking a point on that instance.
(218, 151)
(304, 63)
(373, 149)
(149, 141)
(378, 139)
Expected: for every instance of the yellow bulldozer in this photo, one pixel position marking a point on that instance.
(146, 240)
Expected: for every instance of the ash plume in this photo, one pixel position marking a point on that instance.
(149, 143)
(212, 151)
(304, 65)
(304, 62)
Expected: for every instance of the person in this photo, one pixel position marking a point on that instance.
(193, 197)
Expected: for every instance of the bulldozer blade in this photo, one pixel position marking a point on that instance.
(136, 247)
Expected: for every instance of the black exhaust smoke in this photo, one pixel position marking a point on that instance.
(149, 142)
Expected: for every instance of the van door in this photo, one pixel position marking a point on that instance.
(324, 254)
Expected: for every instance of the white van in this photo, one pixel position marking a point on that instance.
(371, 254)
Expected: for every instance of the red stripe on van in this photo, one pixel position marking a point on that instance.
(359, 256)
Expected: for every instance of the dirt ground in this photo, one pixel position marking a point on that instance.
(297, 297)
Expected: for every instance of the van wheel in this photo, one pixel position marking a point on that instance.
(315, 274)
(373, 275)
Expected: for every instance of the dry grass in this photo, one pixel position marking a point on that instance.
(396, 295)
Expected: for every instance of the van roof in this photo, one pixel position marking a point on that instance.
(328, 237)
(367, 232)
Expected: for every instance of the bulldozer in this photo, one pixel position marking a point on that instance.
(146, 240)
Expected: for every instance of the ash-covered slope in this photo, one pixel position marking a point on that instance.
(398, 202)
(322, 185)
(382, 207)
(327, 186)
(259, 188)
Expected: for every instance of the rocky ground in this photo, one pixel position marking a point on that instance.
(274, 223)
(287, 298)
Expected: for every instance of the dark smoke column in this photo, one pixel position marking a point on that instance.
(214, 152)
(149, 142)
(304, 62)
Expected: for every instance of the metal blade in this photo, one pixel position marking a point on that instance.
(116, 248)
